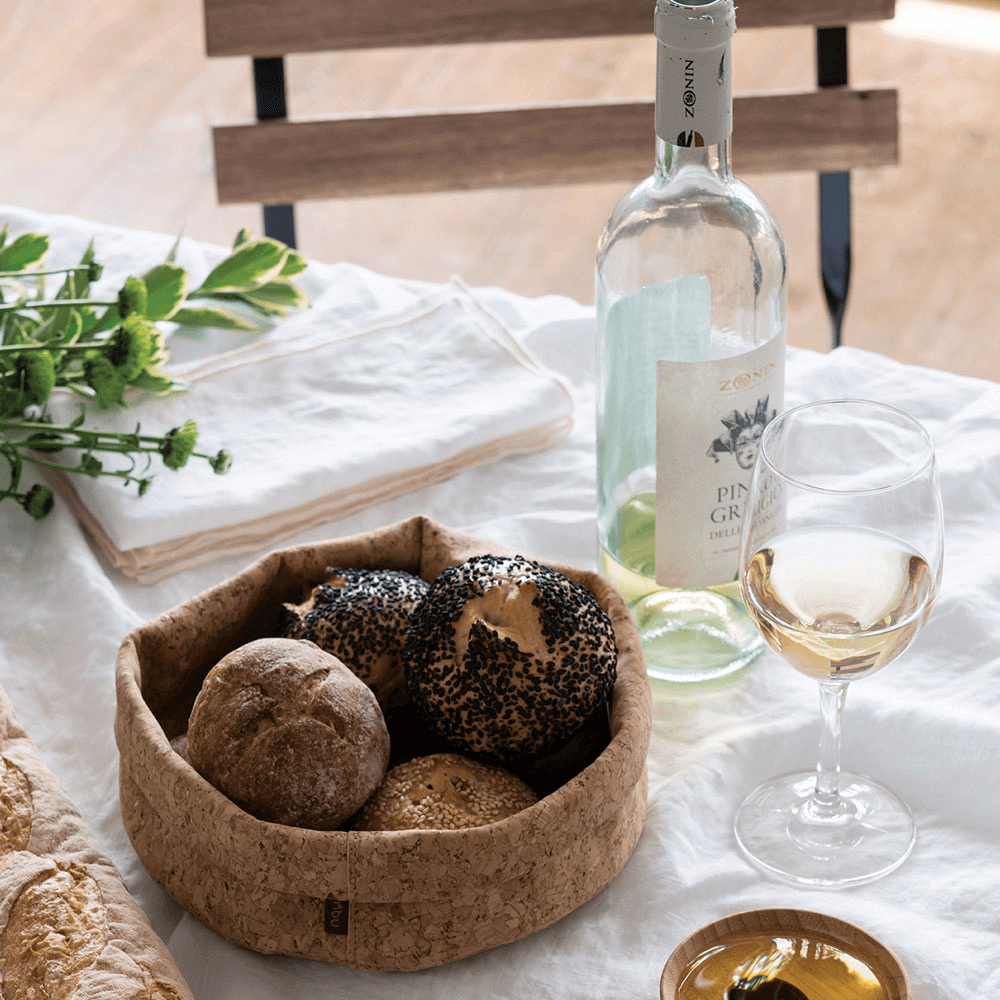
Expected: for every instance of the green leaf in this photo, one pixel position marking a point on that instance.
(27, 249)
(76, 285)
(158, 384)
(107, 320)
(276, 297)
(172, 256)
(73, 329)
(4, 233)
(294, 264)
(213, 316)
(243, 236)
(12, 402)
(47, 328)
(250, 265)
(60, 327)
(22, 329)
(262, 308)
(166, 286)
(88, 317)
(14, 294)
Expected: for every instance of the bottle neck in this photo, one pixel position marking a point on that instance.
(694, 85)
(671, 159)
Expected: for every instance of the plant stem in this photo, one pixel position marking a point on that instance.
(122, 442)
(53, 304)
(78, 432)
(118, 473)
(61, 348)
(36, 274)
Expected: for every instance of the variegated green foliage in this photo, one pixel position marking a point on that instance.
(102, 349)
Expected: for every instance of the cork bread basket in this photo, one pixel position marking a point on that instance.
(397, 900)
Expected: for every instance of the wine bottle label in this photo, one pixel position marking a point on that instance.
(670, 319)
(709, 419)
(694, 89)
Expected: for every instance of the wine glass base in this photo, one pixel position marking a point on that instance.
(782, 829)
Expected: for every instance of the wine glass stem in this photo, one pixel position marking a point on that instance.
(832, 695)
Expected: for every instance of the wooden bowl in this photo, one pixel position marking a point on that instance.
(791, 923)
(370, 900)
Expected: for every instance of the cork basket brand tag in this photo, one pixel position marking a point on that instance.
(394, 900)
(335, 915)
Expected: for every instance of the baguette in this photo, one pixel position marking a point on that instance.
(69, 930)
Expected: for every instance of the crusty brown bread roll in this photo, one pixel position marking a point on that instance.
(179, 744)
(288, 733)
(69, 930)
(360, 616)
(56, 927)
(443, 791)
(505, 657)
(63, 922)
(15, 807)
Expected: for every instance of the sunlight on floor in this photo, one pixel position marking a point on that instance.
(973, 27)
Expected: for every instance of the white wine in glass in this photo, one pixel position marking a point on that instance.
(873, 595)
(840, 561)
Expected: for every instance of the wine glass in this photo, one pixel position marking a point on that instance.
(840, 561)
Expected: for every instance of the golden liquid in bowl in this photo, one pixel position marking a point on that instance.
(818, 968)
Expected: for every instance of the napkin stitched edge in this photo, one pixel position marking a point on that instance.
(150, 563)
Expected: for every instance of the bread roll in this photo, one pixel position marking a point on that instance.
(179, 744)
(56, 927)
(443, 792)
(69, 930)
(288, 733)
(506, 657)
(15, 807)
(360, 616)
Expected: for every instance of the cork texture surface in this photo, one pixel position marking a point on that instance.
(388, 900)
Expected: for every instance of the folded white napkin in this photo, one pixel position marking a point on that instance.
(328, 412)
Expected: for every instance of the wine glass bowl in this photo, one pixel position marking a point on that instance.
(840, 562)
(833, 627)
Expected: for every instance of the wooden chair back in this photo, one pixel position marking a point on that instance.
(275, 161)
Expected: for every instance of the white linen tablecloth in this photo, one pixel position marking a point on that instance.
(928, 726)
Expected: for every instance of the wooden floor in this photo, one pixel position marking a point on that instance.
(106, 108)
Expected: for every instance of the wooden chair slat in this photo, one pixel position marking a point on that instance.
(377, 154)
(280, 27)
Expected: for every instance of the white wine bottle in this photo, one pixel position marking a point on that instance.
(690, 296)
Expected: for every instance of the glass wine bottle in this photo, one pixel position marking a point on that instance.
(690, 296)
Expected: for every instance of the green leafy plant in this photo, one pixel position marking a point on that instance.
(104, 350)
